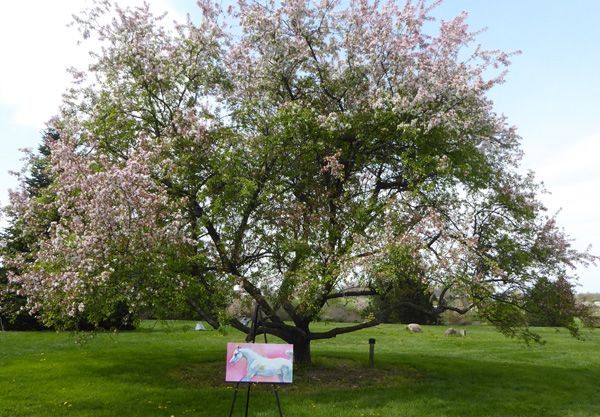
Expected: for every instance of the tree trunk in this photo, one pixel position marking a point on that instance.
(299, 336)
(302, 351)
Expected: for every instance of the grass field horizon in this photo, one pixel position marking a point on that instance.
(172, 370)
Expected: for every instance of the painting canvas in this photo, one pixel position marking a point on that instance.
(260, 363)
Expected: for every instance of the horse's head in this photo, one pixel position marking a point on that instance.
(237, 355)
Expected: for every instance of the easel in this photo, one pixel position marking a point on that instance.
(251, 338)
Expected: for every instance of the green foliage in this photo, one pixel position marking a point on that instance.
(13, 306)
(408, 301)
(13, 311)
(322, 147)
(546, 301)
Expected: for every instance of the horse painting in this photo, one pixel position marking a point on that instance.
(260, 366)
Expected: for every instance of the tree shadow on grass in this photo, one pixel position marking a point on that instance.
(434, 386)
(330, 375)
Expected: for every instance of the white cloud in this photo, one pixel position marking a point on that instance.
(571, 174)
(36, 50)
(576, 161)
(33, 76)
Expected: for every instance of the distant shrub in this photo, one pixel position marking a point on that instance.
(542, 301)
(342, 310)
(457, 319)
(409, 301)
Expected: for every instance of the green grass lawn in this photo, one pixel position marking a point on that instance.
(163, 371)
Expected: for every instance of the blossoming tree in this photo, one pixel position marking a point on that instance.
(308, 152)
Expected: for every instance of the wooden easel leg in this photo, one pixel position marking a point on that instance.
(234, 396)
(248, 399)
(277, 396)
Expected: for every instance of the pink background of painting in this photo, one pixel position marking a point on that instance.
(237, 371)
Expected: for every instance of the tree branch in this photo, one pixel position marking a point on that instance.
(343, 330)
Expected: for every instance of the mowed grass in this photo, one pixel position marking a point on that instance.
(175, 371)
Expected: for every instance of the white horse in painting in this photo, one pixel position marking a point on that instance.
(259, 365)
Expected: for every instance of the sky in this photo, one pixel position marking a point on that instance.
(550, 95)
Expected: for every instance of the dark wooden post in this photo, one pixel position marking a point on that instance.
(371, 352)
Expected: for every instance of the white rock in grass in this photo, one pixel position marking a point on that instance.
(451, 332)
(414, 327)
